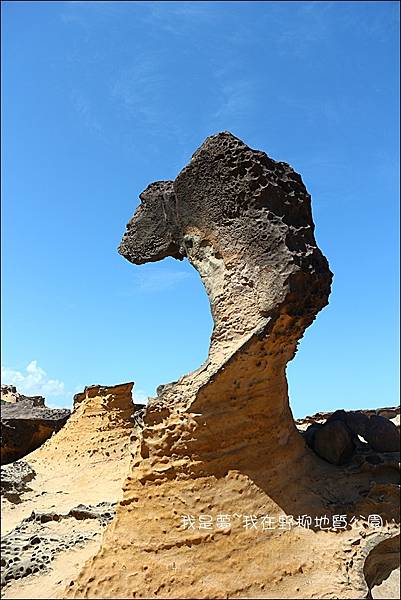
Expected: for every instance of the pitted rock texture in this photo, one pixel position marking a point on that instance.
(26, 423)
(364, 456)
(15, 478)
(70, 485)
(244, 222)
(9, 393)
(222, 439)
(31, 546)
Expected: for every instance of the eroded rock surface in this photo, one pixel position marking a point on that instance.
(222, 440)
(26, 423)
(57, 500)
(10, 394)
(37, 540)
(15, 478)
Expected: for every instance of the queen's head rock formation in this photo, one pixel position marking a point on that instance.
(244, 222)
(220, 445)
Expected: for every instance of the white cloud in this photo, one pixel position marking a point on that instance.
(34, 381)
(140, 397)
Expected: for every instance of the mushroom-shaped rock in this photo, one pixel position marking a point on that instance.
(222, 439)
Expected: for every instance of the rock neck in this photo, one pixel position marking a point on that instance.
(244, 222)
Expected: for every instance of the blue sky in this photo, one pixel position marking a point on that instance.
(102, 98)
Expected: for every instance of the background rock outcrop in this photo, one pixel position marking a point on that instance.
(10, 394)
(222, 440)
(382, 434)
(336, 437)
(26, 423)
(58, 500)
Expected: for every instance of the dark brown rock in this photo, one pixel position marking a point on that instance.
(334, 442)
(391, 412)
(310, 433)
(382, 435)
(356, 421)
(26, 424)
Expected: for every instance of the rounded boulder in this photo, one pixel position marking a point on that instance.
(334, 442)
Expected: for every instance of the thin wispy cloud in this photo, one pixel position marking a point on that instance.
(160, 281)
(141, 96)
(176, 17)
(237, 97)
(331, 109)
(139, 89)
(83, 108)
(377, 24)
(323, 23)
(73, 19)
